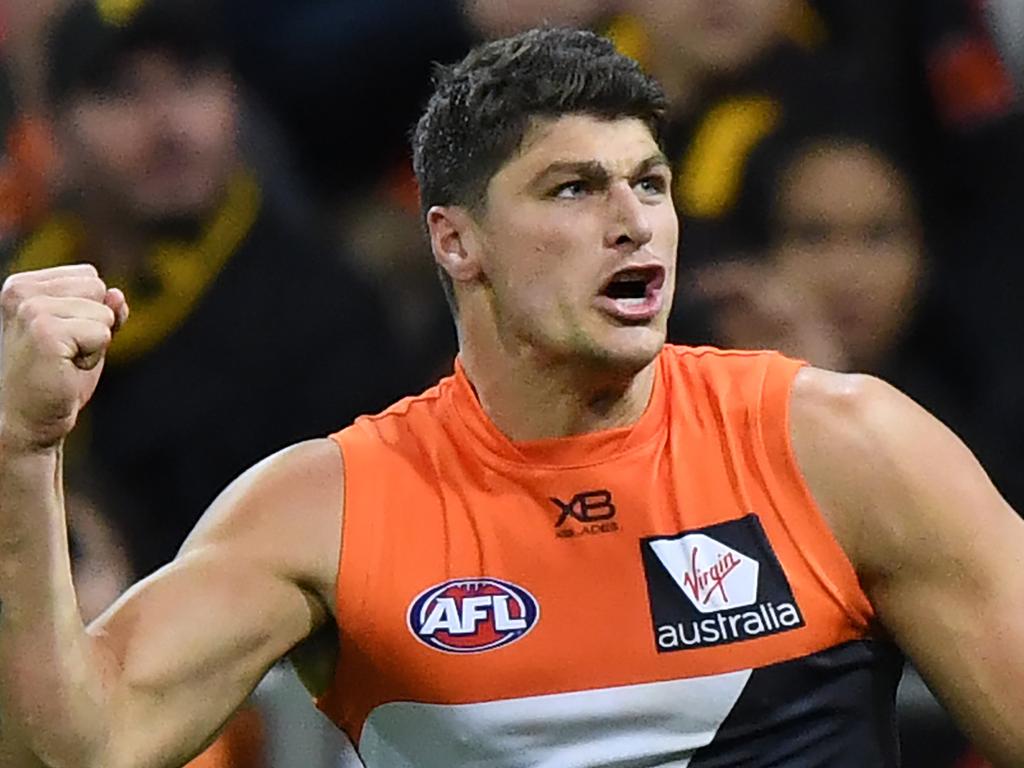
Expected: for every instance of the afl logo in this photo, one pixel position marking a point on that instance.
(472, 615)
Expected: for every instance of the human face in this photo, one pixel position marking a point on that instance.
(850, 238)
(159, 143)
(579, 241)
(718, 36)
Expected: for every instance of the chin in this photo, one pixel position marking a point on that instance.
(175, 226)
(182, 208)
(629, 350)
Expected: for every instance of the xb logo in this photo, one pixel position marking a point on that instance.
(587, 507)
(590, 512)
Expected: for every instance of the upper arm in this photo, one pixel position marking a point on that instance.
(256, 577)
(938, 550)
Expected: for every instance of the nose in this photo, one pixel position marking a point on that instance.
(629, 225)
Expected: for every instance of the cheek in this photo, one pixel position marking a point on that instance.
(538, 280)
(897, 278)
(541, 257)
(764, 19)
(109, 138)
(209, 119)
(666, 229)
(802, 269)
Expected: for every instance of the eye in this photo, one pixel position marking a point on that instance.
(808, 234)
(882, 232)
(119, 90)
(655, 184)
(570, 190)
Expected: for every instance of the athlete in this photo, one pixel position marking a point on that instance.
(585, 548)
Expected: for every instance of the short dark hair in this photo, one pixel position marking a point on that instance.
(85, 43)
(482, 107)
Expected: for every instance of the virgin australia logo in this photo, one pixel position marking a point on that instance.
(722, 584)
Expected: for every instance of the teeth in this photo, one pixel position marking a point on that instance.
(632, 302)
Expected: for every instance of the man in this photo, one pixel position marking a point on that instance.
(163, 196)
(584, 549)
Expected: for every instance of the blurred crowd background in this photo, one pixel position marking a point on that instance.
(849, 173)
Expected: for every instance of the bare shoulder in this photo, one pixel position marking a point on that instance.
(284, 513)
(938, 550)
(885, 472)
(831, 427)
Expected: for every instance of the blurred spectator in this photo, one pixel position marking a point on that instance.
(26, 157)
(837, 271)
(848, 237)
(246, 334)
(343, 74)
(734, 70)
(384, 234)
(300, 59)
(692, 46)
(26, 162)
(946, 68)
(22, 31)
(322, 67)
(945, 64)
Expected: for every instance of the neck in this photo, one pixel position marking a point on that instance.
(529, 397)
(118, 247)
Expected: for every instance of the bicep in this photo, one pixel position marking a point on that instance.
(192, 641)
(961, 624)
(190, 644)
(940, 553)
(948, 584)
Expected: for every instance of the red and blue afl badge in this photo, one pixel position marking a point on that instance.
(472, 615)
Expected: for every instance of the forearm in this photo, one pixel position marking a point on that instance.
(52, 678)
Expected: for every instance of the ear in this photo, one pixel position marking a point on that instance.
(454, 240)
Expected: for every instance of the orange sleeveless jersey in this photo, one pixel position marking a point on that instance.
(666, 594)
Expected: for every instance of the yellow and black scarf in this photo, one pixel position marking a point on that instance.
(178, 273)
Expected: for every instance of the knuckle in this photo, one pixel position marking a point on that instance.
(39, 325)
(12, 293)
(85, 288)
(28, 310)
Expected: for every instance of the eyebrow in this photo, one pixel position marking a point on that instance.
(593, 171)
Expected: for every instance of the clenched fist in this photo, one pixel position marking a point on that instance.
(57, 324)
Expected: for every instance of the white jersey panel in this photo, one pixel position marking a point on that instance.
(654, 725)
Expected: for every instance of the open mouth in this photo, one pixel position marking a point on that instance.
(634, 293)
